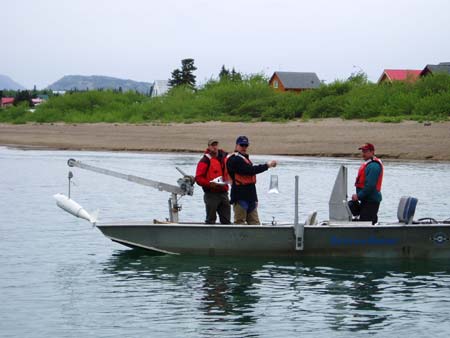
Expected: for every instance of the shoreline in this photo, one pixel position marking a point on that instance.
(316, 138)
(355, 156)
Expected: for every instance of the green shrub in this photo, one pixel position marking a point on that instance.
(15, 114)
(250, 99)
(329, 106)
(437, 105)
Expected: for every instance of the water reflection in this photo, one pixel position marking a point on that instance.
(227, 286)
(230, 291)
(346, 294)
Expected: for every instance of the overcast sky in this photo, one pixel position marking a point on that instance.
(144, 40)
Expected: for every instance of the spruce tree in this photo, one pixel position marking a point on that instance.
(176, 78)
(22, 96)
(224, 74)
(235, 76)
(187, 72)
(185, 76)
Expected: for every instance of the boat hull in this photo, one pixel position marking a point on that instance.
(347, 240)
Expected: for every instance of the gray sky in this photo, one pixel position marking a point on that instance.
(144, 40)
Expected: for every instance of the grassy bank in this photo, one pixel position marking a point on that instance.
(250, 100)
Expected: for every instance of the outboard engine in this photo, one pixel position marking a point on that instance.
(406, 209)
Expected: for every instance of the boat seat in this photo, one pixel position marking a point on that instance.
(311, 219)
(406, 209)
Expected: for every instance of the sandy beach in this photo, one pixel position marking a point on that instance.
(329, 137)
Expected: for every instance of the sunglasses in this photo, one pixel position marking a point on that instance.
(243, 145)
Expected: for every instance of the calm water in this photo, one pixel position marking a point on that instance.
(59, 277)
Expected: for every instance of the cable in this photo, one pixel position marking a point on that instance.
(427, 220)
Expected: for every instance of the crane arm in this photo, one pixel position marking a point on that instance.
(185, 188)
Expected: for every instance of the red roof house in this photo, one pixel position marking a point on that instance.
(37, 101)
(6, 102)
(390, 75)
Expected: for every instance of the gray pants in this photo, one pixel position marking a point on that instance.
(217, 202)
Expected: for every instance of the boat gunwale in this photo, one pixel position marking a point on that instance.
(287, 226)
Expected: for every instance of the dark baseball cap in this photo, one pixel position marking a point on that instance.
(367, 147)
(242, 140)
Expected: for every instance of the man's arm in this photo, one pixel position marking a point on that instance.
(200, 174)
(237, 165)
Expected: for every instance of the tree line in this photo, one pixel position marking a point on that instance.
(233, 96)
(184, 76)
(25, 96)
(250, 99)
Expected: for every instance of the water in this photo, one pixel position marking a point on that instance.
(59, 277)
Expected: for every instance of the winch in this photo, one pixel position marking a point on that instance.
(185, 187)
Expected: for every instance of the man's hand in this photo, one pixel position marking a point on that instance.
(272, 164)
(354, 197)
(213, 185)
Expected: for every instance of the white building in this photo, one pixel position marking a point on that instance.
(159, 88)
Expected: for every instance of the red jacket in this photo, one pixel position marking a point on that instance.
(209, 168)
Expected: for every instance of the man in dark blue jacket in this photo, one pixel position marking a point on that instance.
(243, 189)
(368, 184)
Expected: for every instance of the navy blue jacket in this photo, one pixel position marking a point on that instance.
(236, 164)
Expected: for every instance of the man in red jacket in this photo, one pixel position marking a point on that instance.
(211, 170)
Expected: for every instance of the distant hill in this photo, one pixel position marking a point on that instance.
(80, 82)
(7, 83)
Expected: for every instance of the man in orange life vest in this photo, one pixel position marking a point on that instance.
(210, 167)
(368, 184)
(243, 190)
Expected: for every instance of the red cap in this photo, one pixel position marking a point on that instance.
(367, 146)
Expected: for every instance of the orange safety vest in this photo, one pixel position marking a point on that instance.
(361, 178)
(243, 179)
(226, 175)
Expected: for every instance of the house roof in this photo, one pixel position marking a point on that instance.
(443, 67)
(7, 100)
(400, 74)
(297, 80)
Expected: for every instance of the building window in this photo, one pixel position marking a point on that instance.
(275, 84)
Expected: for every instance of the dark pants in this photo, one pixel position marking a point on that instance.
(217, 202)
(369, 211)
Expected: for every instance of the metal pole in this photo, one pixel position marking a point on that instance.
(173, 208)
(136, 179)
(69, 177)
(296, 202)
(170, 210)
(299, 229)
